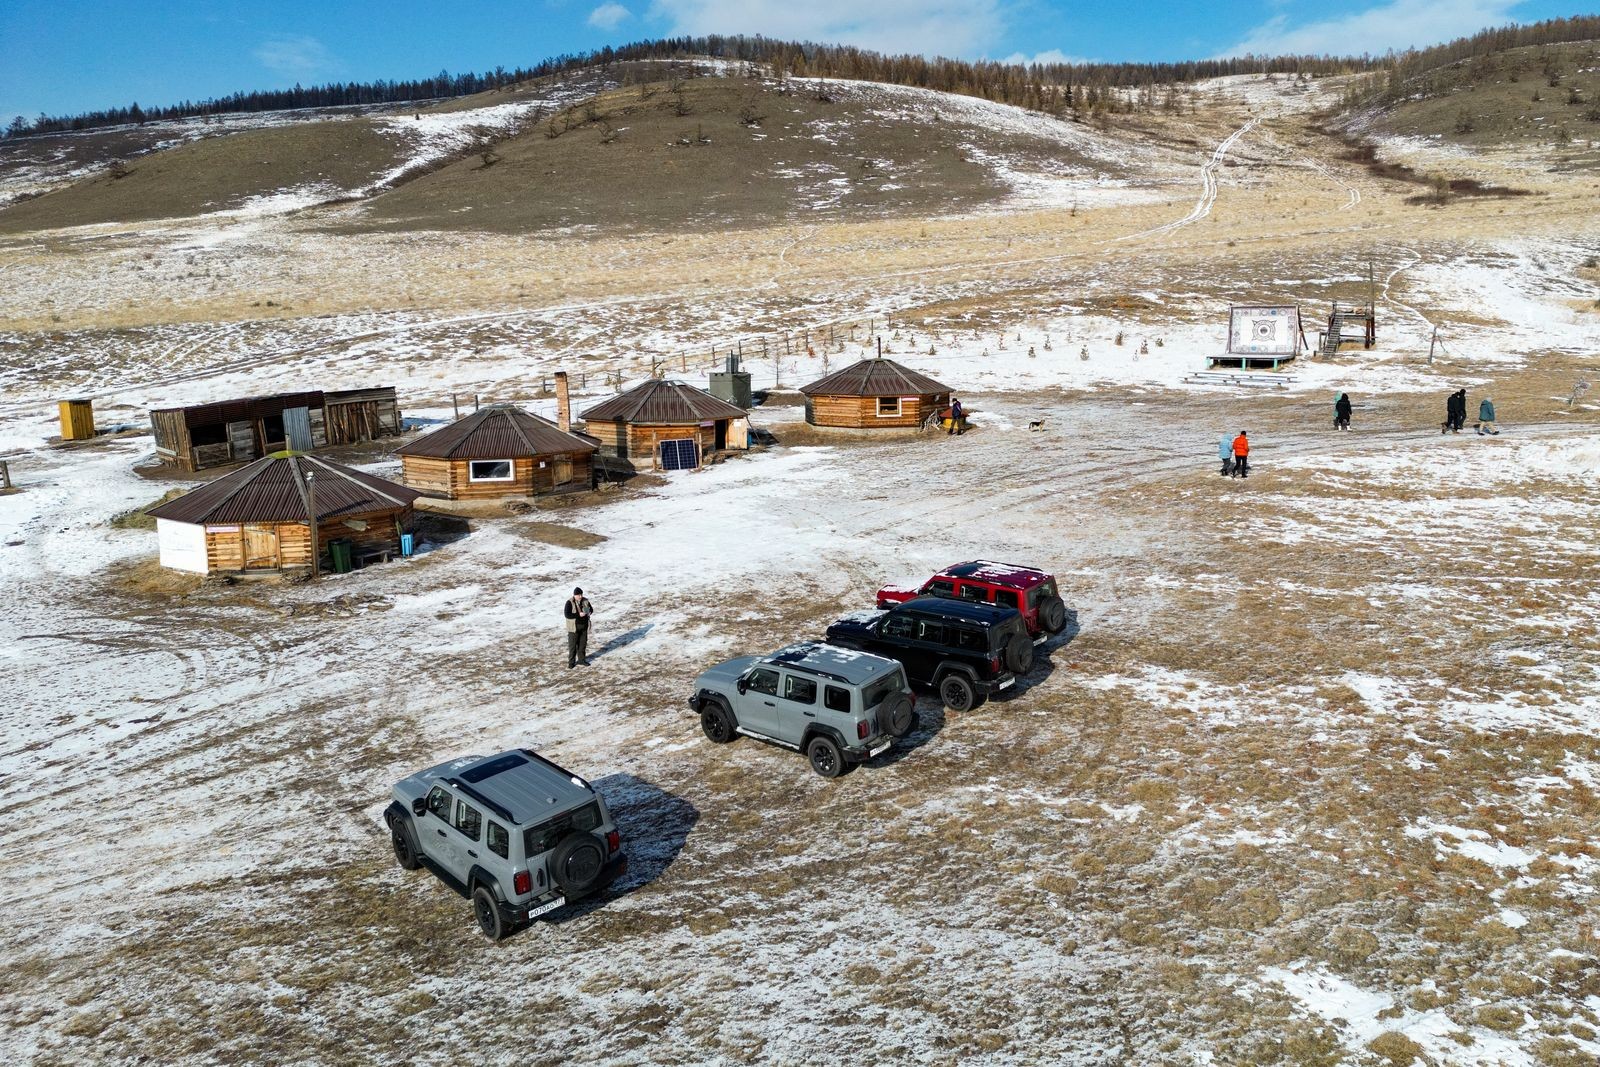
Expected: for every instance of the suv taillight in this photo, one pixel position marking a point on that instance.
(613, 841)
(994, 664)
(863, 728)
(522, 882)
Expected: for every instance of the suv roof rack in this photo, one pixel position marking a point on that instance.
(553, 765)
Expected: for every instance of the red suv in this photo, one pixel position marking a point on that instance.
(1032, 592)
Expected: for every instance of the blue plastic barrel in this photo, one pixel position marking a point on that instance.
(405, 544)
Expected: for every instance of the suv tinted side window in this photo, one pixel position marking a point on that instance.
(499, 840)
(971, 640)
(469, 820)
(898, 626)
(931, 631)
(763, 680)
(1005, 598)
(835, 699)
(975, 592)
(942, 587)
(439, 803)
(799, 689)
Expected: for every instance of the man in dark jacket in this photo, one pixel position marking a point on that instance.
(578, 611)
(1341, 412)
(1455, 412)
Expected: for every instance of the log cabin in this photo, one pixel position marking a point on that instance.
(232, 431)
(498, 451)
(874, 394)
(257, 518)
(665, 425)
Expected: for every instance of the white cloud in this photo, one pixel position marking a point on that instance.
(295, 57)
(609, 16)
(1397, 25)
(919, 27)
(1045, 58)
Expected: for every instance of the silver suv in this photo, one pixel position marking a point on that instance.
(517, 834)
(838, 706)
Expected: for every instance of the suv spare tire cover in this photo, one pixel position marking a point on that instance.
(895, 716)
(1054, 615)
(1019, 654)
(577, 862)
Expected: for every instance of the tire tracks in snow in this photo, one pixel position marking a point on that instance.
(1208, 188)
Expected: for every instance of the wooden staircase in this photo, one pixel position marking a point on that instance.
(1341, 316)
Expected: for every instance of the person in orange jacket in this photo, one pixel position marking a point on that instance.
(1241, 455)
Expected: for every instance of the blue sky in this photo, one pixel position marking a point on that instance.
(64, 56)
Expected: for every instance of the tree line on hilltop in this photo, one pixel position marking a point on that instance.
(1051, 87)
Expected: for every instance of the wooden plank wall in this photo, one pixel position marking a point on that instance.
(861, 412)
(450, 478)
(172, 439)
(225, 545)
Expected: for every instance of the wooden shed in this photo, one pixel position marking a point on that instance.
(498, 451)
(258, 517)
(874, 394)
(77, 420)
(232, 431)
(666, 425)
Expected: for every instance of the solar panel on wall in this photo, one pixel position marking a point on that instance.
(680, 455)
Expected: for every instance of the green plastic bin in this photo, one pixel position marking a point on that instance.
(339, 553)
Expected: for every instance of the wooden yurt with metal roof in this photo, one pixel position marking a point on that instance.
(498, 451)
(874, 394)
(258, 518)
(666, 424)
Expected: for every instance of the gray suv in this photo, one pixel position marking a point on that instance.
(838, 706)
(516, 833)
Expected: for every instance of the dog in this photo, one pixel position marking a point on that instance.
(1036, 424)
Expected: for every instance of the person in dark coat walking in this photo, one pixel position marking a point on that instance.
(956, 414)
(1341, 412)
(578, 612)
(1455, 412)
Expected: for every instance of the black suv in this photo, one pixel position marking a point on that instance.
(965, 652)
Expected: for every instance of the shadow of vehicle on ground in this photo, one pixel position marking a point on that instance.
(1044, 663)
(654, 825)
(930, 720)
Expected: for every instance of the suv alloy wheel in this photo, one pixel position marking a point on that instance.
(826, 758)
(487, 912)
(958, 692)
(405, 853)
(717, 723)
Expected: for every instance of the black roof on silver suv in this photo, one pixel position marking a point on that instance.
(830, 661)
(520, 785)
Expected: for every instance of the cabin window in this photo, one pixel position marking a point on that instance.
(888, 407)
(489, 470)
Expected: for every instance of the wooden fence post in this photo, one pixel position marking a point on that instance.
(5, 474)
(311, 507)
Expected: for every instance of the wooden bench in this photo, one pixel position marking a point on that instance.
(371, 555)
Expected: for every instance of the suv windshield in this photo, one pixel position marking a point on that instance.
(543, 838)
(878, 691)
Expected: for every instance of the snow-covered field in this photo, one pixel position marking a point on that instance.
(1310, 778)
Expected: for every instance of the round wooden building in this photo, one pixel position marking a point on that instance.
(498, 451)
(667, 425)
(259, 517)
(874, 394)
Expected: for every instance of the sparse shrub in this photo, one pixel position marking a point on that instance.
(1502, 1017)
(1119, 337)
(751, 115)
(1563, 135)
(1574, 96)
(1464, 123)
(1592, 262)
(1396, 1048)
(1593, 114)
(1537, 96)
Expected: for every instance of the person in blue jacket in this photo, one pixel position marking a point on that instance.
(1486, 417)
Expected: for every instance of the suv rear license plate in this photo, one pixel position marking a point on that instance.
(1005, 684)
(534, 913)
(880, 750)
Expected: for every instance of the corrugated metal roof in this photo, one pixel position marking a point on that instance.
(875, 377)
(243, 408)
(498, 432)
(273, 489)
(662, 402)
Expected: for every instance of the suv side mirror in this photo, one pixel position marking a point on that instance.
(419, 806)
(743, 685)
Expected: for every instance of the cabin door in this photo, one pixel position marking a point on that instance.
(561, 470)
(260, 548)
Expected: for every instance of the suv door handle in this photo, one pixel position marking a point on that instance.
(471, 853)
(439, 832)
(811, 715)
(769, 703)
